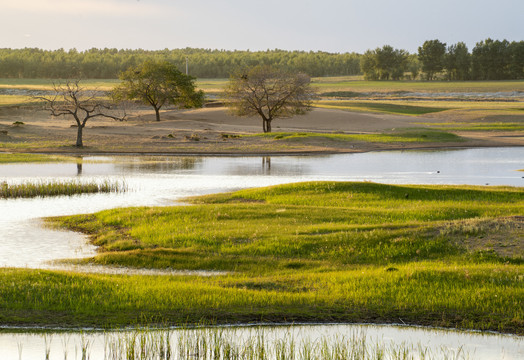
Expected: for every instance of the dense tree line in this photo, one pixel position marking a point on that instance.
(489, 60)
(109, 63)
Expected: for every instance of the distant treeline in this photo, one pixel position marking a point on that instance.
(109, 63)
(489, 60)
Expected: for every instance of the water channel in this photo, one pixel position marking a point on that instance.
(164, 180)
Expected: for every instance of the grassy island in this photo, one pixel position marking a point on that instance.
(447, 256)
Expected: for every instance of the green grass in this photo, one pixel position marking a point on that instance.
(381, 107)
(6, 158)
(464, 126)
(54, 188)
(47, 84)
(313, 252)
(408, 136)
(343, 84)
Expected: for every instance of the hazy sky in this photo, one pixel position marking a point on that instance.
(327, 25)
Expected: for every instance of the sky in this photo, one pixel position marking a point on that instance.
(322, 25)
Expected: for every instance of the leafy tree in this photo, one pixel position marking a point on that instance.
(71, 100)
(431, 55)
(457, 62)
(158, 83)
(391, 63)
(384, 63)
(491, 60)
(517, 59)
(368, 65)
(269, 93)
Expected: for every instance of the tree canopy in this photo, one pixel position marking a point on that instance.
(384, 63)
(269, 93)
(158, 83)
(431, 55)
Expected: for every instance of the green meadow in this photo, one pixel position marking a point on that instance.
(447, 256)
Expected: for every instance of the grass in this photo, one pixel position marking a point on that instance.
(249, 344)
(6, 158)
(308, 252)
(476, 126)
(382, 107)
(403, 136)
(47, 84)
(349, 84)
(53, 188)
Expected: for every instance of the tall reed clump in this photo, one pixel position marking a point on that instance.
(258, 344)
(54, 188)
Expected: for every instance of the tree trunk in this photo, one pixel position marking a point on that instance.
(79, 136)
(268, 126)
(157, 113)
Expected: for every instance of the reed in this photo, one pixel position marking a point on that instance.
(54, 188)
(254, 344)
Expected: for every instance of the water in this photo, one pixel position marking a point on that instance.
(161, 181)
(436, 344)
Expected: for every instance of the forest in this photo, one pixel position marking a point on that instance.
(488, 60)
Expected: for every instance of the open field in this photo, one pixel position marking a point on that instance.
(323, 84)
(214, 130)
(346, 252)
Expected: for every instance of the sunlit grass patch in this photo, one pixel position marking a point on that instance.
(471, 126)
(36, 158)
(409, 135)
(375, 106)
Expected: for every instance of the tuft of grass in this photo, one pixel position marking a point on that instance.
(52, 188)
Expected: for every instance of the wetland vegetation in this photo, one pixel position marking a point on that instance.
(55, 188)
(310, 252)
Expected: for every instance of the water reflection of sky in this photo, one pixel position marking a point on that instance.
(439, 344)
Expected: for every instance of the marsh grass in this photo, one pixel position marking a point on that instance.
(317, 251)
(6, 158)
(399, 136)
(55, 188)
(252, 343)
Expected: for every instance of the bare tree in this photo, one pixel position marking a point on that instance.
(72, 100)
(270, 93)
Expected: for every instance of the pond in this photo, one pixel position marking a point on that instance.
(164, 180)
(362, 341)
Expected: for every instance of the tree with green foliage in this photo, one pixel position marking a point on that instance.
(72, 100)
(457, 62)
(384, 63)
(491, 60)
(157, 84)
(431, 55)
(517, 59)
(269, 93)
